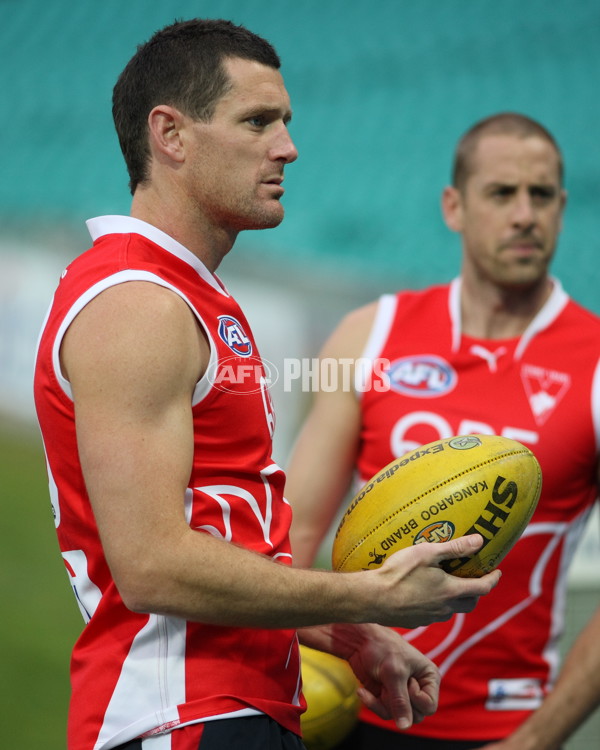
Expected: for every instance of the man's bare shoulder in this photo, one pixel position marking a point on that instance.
(351, 335)
(135, 323)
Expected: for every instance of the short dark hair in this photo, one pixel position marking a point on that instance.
(180, 65)
(504, 123)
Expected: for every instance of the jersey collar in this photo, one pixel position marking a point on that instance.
(102, 225)
(552, 308)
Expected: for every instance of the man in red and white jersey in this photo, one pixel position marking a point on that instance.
(157, 425)
(500, 350)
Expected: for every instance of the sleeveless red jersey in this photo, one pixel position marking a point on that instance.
(542, 389)
(137, 674)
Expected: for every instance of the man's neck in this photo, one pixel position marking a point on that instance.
(207, 242)
(491, 312)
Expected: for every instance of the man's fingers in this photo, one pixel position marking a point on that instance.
(373, 703)
(463, 546)
(397, 707)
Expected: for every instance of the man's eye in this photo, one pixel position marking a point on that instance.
(502, 192)
(543, 195)
(258, 121)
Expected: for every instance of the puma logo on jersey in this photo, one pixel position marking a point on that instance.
(490, 357)
(232, 333)
(544, 389)
(423, 376)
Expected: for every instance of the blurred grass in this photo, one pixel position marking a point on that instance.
(40, 619)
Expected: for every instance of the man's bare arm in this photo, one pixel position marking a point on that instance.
(133, 356)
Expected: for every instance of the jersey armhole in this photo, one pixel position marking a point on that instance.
(378, 336)
(201, 388)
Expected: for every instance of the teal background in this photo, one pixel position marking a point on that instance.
(381, 92)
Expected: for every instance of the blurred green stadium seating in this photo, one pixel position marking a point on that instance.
(381, 91)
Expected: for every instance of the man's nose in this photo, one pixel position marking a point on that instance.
(523, 210)
(284, 148)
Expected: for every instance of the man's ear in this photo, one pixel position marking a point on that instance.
(563, 203)
(164, 125)
(452, 208)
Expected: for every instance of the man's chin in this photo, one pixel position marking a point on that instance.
(267, 220)
(526, 273)
(524, 282)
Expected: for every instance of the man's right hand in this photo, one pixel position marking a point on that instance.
(417, 591)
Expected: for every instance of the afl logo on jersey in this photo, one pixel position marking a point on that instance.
(232, 333)
(423, 376)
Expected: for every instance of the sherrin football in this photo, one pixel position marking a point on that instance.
(329, 687)
(468, 484)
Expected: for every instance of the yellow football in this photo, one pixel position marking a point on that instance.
(468, 484)
(329, 687)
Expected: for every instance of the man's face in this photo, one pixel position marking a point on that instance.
(510, 210)
(238, 157)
